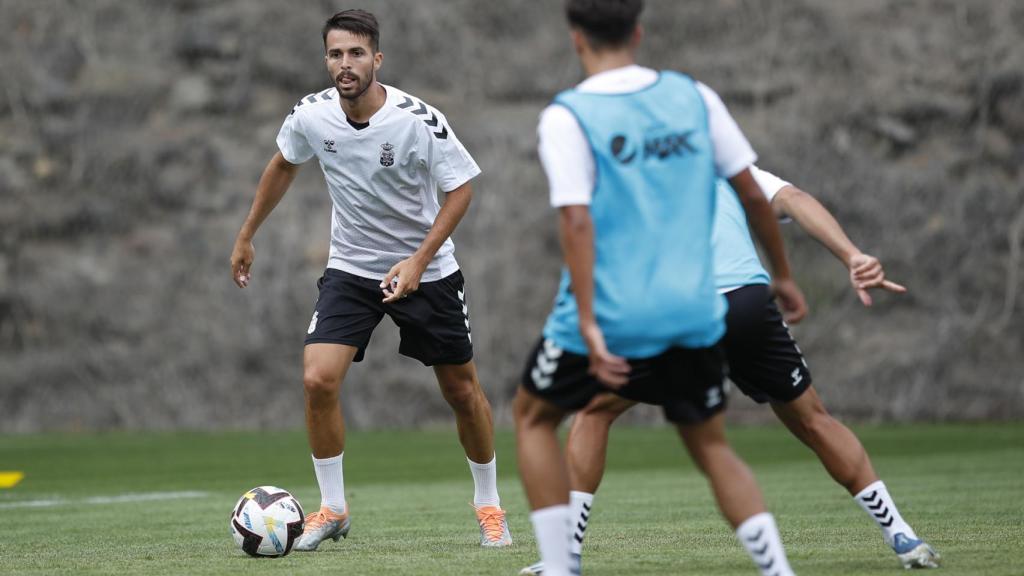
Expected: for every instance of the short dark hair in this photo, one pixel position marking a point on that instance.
(358, 22)
(605, 23)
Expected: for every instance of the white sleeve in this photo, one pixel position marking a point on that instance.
(450, 163)
(292, 142)
(733, 152)
(566, 157)
(770, 183)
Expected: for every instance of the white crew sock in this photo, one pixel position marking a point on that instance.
(760, 537)
(331, 481)
(875, 500)
(579, 517)
(485, 482)
(551, 528)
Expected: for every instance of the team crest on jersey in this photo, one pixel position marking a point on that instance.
(329, 147)
(387, 154)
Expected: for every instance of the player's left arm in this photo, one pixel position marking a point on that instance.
(409, 271)
(865, 271)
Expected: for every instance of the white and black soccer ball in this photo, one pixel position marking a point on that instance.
(266, 522)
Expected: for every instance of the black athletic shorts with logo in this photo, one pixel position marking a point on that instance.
(433, 321)
(763, 359)
(685, 382)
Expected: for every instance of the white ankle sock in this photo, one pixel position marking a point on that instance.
(551, 527)
(875, 500)
(579, 517)
(332, 482)
(760, 536)
(485, 482)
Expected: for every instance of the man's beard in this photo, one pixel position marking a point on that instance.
(360, 88)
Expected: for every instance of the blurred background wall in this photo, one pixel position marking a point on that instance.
(132, 135)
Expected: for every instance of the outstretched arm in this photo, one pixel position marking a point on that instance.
(865, 270)
(406, 274)
(276, 178)
(766, 229)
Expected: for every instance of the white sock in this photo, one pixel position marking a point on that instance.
(875, 500)
(551, 528)
(485, 482)
(579, 517)
(331, 481)
(760, 537)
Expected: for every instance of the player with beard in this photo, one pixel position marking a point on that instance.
(384, 153)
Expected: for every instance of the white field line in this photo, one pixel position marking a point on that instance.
(115, 499)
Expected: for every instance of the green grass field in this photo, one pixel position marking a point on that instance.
(961, 486)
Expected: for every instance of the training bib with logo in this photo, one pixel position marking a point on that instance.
(653, 209)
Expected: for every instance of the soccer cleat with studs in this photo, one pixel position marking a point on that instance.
(320, 526)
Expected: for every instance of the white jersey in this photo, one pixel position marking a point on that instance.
(382, 177)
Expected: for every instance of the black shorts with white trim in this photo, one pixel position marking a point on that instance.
(685, 382)
(763, 359)
(433, 321)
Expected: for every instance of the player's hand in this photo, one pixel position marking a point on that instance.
(241, 262)
(403, 279)
(791, 300)
(609, 369)
(866, 273)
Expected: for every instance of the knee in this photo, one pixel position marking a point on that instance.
(320, 386)
(815, 425)
(463, 393)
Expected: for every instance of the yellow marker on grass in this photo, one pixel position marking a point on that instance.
(10, 479)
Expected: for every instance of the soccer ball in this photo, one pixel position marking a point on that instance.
(266, 522)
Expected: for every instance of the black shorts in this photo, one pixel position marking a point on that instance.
(764, 360)
(433, 321)
(685, 382)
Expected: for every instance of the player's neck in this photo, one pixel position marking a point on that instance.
(605, 60)
(361, 109)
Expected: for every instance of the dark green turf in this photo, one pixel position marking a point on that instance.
(961, 486)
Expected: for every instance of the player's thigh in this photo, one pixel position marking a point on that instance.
(764, 360)
(434, 322)
(347, 310)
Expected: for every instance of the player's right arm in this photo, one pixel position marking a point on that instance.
(293, 150)
(569, 166)
(576, 234)
(276, 178)
(733, 159)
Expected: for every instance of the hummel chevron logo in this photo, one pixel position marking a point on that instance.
(875, 502)
(797, 376)
(547, 363)
(755, 537)
(408, 104)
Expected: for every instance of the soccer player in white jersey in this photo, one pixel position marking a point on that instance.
(384, 153)
(632, 157)
(768, 366)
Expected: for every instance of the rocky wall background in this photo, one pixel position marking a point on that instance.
(132, 135)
